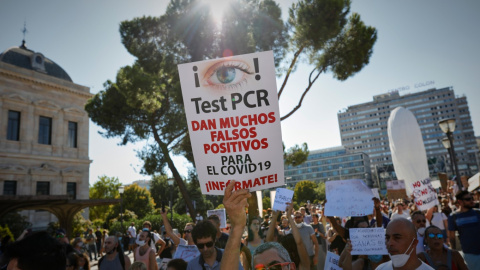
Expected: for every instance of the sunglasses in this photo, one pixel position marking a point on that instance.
(60, 235)
(438, 235)
(421, 221)
(187, 231)
(277, 266)
(208, 244)
(298, 217)
(467, 199)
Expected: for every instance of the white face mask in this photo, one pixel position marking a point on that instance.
(140, 243)
(299, 225)
(400, 260)
(421, 231)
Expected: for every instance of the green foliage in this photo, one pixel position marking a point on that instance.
(304, 190)
(5, 231)
(79, 225)
(266, 202)
(104, 188)
(135, 199)
(320, 193)
(161, 192)
(296, 155)
(15, 222)
(202, 204)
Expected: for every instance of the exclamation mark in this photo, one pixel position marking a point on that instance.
(255, 62)
(197, 82)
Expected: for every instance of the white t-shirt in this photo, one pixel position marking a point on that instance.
(133, 231)
(388, 266)
(438, 219)
(420, 246)
(156, 237)
(402, 215)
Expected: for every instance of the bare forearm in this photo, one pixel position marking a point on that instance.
(231, 255)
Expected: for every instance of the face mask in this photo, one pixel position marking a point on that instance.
(375, 258)
(299, 225)
(400, 260)
(140, 243)
(421, 231)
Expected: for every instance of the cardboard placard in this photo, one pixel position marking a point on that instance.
(221, 214)
(282, 196)
(424, 193)
(186, 252)
(368, 241)
(331, 261)
(233, 120)
(348, 198)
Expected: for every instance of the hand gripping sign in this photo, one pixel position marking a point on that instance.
(234, 122)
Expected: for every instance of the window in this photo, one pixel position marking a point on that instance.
(10, 188)
(72, 190)
(43, 188)
(72, 134)
(13, 129)
(45, 130)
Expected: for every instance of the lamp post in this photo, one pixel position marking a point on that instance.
(446, 144)
(448, 127)
(170, 183)
(121, 189)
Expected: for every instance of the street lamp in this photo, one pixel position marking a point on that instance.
(170, 183)
(446, 144)
(121, 189)
(448, 127)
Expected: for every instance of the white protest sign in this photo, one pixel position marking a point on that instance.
(186, 252)
(233, 120)
(425, 194)
(282, 196)
(375, 193)
(272, 197)
(368, 241)
(221, 214)
(474, 182)
(260, 202)
(348, 198)
(163, 264)
(331, 261)
(436, 184)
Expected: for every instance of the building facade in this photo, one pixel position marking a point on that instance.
(336, 163)
(363, 127)
(43, 131)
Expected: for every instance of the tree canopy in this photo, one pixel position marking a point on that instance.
(105, 188)
(145, 101)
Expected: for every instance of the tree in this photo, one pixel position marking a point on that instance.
(145, 102)
(105, 188)
(15, 222)
(135, 199)
(304, 190)
(296, 155)
(201, 202)
(161, 192)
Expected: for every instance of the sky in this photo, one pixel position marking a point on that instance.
(418, 42)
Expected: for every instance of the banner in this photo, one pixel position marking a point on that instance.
(221, 214)
(425, 194)
(474, 182)
(233, 119)
(368, 241)
(396, 189)
(348, 198)
(331, 261)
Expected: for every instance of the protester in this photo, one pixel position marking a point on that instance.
(401, 212)
(309, 239)
(255, 235)
(72, 261)
(284, 227)
(187, 240)
(144, 252)
(336, 240)
(221, 237)
(467, 222)
(439, 220)
(419, 221)
(114, 257)
(177, 264)
(270, 254)
(38, 251)
(401, 241)
(437, 255)
(138, 266)
(154, 240)
(99, 242)
(83, 262)
(91, 244)
(78, 245)
(132, 235)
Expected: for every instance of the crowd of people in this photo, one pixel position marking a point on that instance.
(447, 236)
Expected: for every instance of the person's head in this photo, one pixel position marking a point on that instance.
(338, 220)
(298, 216)
(465, 199)
(83, 261)
(315, 218)
(132, 224)
(400, 206)
(272, 253)
(177, 264)
(72, 261)
(145, 236)
(187, 231)
(434, 238)
(419, 220)
(288, 242)
(215, 220)
(361, 224)
(61, 236)
(77, 243)
(38, 251)
(204, 234)
(111, 245)
(147, 225)
(138, 266)
(401, 238)
(254, 229)
(285, 223)
(303, 211)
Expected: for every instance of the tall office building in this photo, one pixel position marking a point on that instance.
(331, 164)
(363, 127)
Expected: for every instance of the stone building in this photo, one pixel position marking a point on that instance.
(43, 131)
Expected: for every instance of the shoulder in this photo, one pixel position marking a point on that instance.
(385, 266)
(424, 266)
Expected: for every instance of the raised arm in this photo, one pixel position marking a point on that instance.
(302, 251)
(271, 227)
(378, 212)
(168, 228)
(235, 203)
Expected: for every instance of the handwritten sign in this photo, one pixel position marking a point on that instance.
(424, 193)
(375, 193)
(331, 261)
(348, 198)
(282, 196)
(233, 120)
(368, 241)
(186, 252)
(221, 214)
(396, 189)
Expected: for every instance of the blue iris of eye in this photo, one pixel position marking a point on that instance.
(226, 74)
